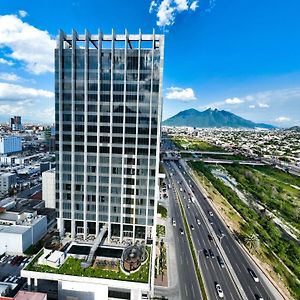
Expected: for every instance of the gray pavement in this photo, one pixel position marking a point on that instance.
(182, 261)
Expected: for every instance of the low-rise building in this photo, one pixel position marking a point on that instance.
(7, 181)
(18, 231)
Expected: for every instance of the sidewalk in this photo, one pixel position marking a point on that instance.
(172, 290)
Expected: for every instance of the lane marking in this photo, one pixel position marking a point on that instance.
(193, 291)
(239, 268)
(186, 290)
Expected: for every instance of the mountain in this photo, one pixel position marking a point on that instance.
(294, 128)
(211, 118)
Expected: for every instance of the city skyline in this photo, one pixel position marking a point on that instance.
(222, 73)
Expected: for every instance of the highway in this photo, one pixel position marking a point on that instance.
(238, 259)
(187, 278)
(210, 268)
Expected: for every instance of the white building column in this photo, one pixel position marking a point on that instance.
(35, 282)
(29, 283)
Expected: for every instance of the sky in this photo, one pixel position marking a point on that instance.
(242, 56)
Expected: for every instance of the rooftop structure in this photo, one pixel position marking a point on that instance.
(18, 231)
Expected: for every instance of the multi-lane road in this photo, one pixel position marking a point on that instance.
(211, 270)
(209, 232)
(187, 278)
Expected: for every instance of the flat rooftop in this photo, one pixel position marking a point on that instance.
(13, 229)
(9, 216)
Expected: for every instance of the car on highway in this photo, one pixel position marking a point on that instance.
(221, 232)
(257, 297)
(205, 252)
(219, 290)
(211, 253)
(210, 237)
(210, 221)
(173, 222)
(253, 275)
(181, 231)
(198, 221)
(188, 206)
(221, 262)
(192, 227)
(210, 213)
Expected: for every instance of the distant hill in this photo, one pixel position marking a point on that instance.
(211, 118)
(294, 128)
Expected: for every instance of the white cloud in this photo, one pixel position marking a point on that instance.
(9, 77)
(6, 109)
(176, 93)
(13, 92)
(28, 44)
(6, 62)
(165, 13)
(23, 13)
(263, 105)
(153, 5)
(167, 10)
(252, 106)
(194, 5)
(283, 119)
(182, 5)
(234, 100)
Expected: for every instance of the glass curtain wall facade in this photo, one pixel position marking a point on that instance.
(108, 107)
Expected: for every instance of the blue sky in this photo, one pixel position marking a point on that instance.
(237, 55)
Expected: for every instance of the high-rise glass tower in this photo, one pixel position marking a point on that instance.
(108, 103)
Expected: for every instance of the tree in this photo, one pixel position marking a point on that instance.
(252, 242)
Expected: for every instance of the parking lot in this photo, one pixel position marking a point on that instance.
(10, 266)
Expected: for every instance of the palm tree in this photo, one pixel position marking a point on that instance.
(252, 242)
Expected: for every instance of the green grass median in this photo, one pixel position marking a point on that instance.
(194, 255)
